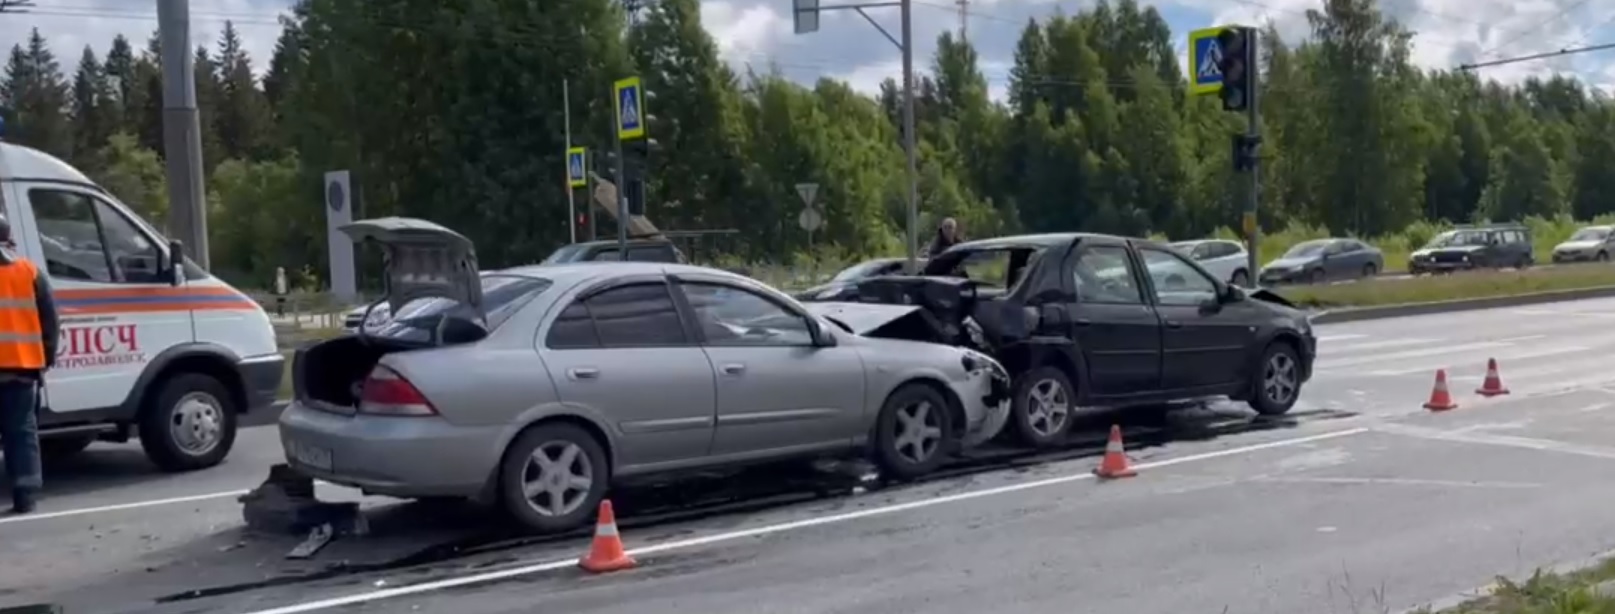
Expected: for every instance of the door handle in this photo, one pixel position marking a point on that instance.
(1174, 324)
(734, 368)
(583, 373)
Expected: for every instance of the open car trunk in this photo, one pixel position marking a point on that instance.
(421, 261)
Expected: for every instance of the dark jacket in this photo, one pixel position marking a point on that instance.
(50, 327)
(940, 243)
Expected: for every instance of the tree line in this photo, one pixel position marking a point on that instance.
(452, 111)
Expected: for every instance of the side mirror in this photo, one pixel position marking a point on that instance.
(176, 263)
(821, 338)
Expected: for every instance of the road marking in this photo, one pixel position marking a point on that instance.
(685, 544)
(1399, 482)
(1529, 443)
(1333, 338)
(1568, 349)
(1435, 351)
(1378, 345)
(120, 507)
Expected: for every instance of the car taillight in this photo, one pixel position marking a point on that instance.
(386, 393)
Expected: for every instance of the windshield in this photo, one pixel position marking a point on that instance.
(1306, 250)
(862, 270)
(1454, 238)
(1590, 234)
(565, 254)
(502, 295)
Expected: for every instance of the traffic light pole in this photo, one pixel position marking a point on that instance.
(1253, 130)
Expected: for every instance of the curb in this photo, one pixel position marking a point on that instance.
(1491, 302)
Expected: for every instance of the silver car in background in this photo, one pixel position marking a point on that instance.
(539, 387)
(1226, 259)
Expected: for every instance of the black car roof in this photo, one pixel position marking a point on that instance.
(1038, 240)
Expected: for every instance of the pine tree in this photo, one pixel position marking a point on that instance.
(91, 109)
(35, 97)
(241, 119)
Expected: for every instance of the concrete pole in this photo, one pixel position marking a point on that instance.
(908, 137)
(182, 131)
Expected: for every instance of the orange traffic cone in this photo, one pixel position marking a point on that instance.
(606, 554)
(1440, 399)
(1493, 385)
(1114, 464)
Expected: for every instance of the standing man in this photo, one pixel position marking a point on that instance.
(28, 336)
(947, 235)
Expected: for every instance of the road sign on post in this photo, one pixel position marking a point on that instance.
(577, 175)
(630, 109)
(1205, 58)
(810, 220)
(808, 191)
(807, 16)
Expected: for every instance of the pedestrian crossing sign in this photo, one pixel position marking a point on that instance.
(630, 109)
(575, 176)
(1204, 56)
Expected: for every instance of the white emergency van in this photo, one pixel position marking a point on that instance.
(151, 345)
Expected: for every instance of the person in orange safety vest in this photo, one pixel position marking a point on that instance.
(28, 338)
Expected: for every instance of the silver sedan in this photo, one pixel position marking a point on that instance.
(539, 387)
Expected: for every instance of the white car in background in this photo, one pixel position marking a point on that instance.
(1221, 257)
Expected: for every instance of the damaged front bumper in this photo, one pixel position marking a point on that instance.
(985, 392)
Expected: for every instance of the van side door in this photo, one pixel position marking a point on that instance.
(117, 305)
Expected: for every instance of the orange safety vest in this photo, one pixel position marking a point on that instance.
(21, 345)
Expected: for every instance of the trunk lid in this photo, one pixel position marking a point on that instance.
(422, 260)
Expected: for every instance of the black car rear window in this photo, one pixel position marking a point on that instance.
(502, 295)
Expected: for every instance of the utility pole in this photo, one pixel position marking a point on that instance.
(182, 131)
(571, 198)
(806, 17)
(964, 20)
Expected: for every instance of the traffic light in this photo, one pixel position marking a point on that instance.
(1246, 151)
(1237, 45)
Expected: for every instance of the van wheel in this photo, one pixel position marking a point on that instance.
(914, 432)
(553, 477)
(1276, 384)
(1041, 410)
(57, 449)
(190, 425)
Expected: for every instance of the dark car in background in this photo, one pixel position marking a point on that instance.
(1466, 248)
(844, 285)
(1324, 260)
(639, 250)
(1084, 320)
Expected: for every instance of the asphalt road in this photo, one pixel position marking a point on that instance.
(1359, 502)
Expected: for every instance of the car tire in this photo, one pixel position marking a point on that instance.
(1316, 276)
(57, 449)
(1043, 406)
(520, 467)
(1240, 279)
(1273, 392)
(1602, 257)
(914, 433)
(1369, 271)
(190, 424)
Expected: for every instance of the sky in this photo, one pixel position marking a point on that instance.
(758, 33)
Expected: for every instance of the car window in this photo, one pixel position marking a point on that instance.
(85, 238)
(605, 255)
(735, 316)
(1203, 251)
(651, 253)
(638, 315)
(574, 329)
(1223, 249)
(1104, 275)
(1176, 282)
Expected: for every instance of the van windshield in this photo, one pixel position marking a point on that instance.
(502, 295)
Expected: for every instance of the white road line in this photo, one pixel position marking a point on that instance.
(1334, 338)
(120, 507)
(1398, 482)
(1376, 345)
(685, 544)
(1435, 351)
(1529, 443)
(1568, 349)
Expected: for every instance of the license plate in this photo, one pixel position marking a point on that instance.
(313, 456)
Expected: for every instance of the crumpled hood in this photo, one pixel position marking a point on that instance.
(862, 318)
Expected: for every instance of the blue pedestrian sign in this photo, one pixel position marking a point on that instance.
(1204, 56)
(630, 109)
(575, 175)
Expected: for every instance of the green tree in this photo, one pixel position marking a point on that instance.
(35, 97)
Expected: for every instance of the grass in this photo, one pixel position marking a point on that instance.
(1467, 285)
(1546, 593)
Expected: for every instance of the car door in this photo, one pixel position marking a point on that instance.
(623, 352)
(1204, 342)
(1116, 330)
(118, 307)
(777, 392)
(1338, 261)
